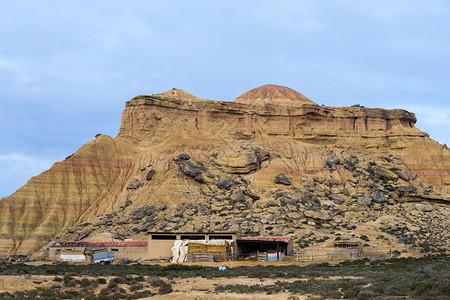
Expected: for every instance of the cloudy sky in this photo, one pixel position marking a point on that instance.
(67, 67)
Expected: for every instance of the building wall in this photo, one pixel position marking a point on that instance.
(290, 248)
(160, 249)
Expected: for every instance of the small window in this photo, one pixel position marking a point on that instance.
(163, 237)
(69, 249)
(192, 237)
(220, 237)
(114, 249)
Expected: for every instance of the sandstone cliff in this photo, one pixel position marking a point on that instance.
(270, 162)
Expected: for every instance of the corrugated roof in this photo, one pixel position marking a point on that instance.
(284, 239)
(98, 244)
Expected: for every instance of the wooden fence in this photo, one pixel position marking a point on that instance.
(208, 257)
(327, 254)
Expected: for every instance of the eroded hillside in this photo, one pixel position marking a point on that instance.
(271, 162)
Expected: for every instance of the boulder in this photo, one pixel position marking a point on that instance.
(317, 215)
(224, 183)
(261, 154)
(150, 174)
(243, 162)
(351, 163)
(282, 179)
(427, 191)
(336, 198)
(378, 197)
(237, 195)
(192, 170)
(383, 174)
(83, 235)
(332, 182)
(294, 215)
(319, 179)
(376, 186)
(406, 189)
(366, 200)
(402, 174)
(251, 194)
(135, 184)
(332, 161)
(184, 156)
(424, 207)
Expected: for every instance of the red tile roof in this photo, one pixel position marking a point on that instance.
(99, 244)
(284, 239)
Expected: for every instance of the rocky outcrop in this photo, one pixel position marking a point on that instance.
(184, 163)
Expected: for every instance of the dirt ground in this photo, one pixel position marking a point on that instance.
(24, 283)
(197, 288)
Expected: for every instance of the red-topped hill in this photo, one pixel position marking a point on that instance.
(273, 94)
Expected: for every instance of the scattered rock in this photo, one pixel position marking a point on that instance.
(282, 179)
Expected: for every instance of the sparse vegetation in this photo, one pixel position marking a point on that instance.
(421, 278)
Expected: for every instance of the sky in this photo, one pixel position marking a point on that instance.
(67, 67)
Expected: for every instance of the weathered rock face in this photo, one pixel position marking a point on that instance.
(347, 166)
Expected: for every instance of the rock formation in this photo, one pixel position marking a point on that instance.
(269, 162)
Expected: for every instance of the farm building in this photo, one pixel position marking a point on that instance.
(182, 246)
(264, 247)
(74, 250)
